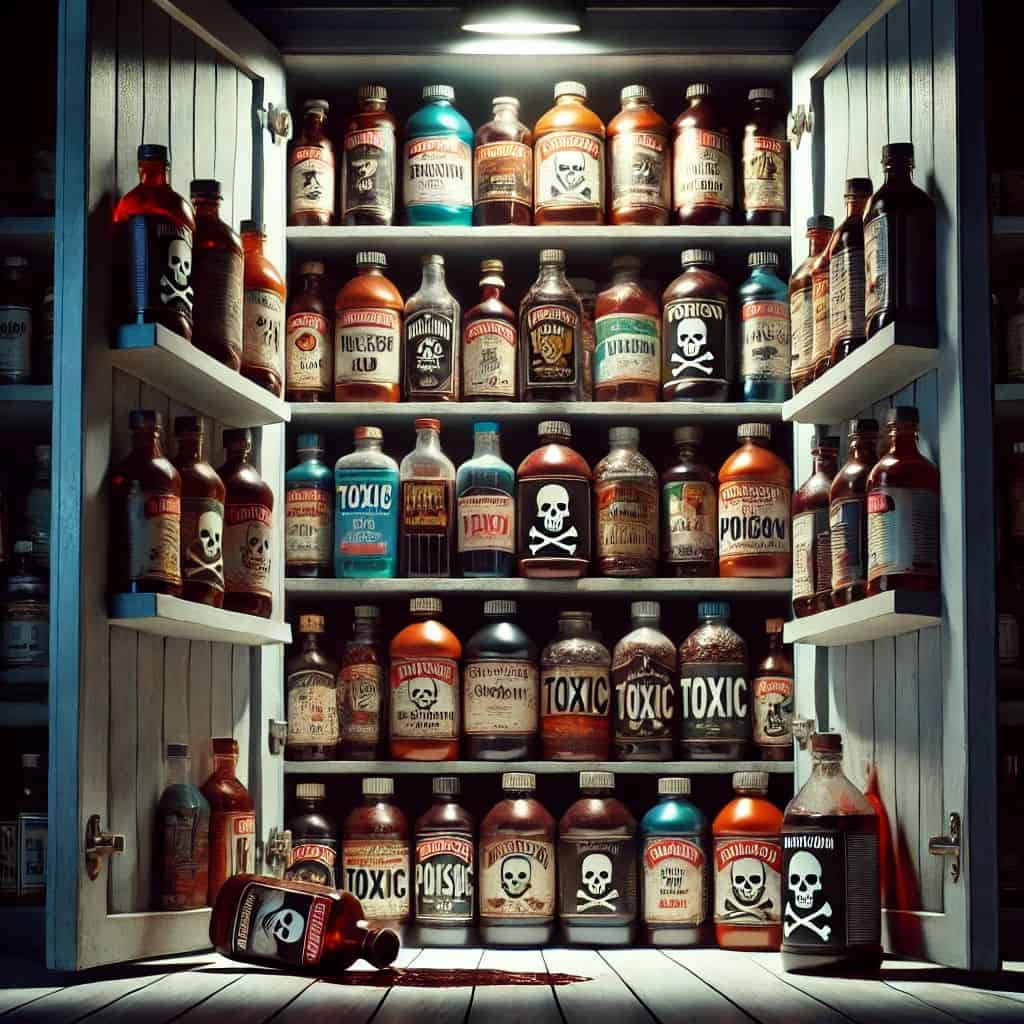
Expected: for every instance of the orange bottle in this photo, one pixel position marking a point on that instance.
(640, 190)
(262, 313)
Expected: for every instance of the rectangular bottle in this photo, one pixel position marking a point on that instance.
(431, 338)
(427, 505)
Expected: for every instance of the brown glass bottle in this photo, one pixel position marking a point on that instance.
(771, 699)
(314, 852)
(309, 362)
(812, 548)
(586, 291)
(846, 275)
(263, 331)
(362, 690)
(202, 517)
(145, 492)
(232, 817)
(311, 696)
(489, 342)
(639, 187)
(216, 278)
(503, 167)
(368, 159)
(431, 338)
(848, 527)
(689, 510)
(311, 169)
(703, 189)
(765, 160)
(821, 330)
(801, 303)
(427, 505)
(248, 529)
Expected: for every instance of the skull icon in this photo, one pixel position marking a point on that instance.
(774, 722)
(285, 925)
(209, 535)
(596, 873)
(748, 880)
(428, 354)
(553, 507)
(570, 174)
(365, 173)
(515, 875)
(691, 336)
(804, 879)
(174, 282)
(423, 693)
(256, 557)
(276, 924)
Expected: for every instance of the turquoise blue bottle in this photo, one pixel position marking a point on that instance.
(308, 503)
(764, 326)
(366, 509)
(674, 879)
(485, 488)
(437, 169)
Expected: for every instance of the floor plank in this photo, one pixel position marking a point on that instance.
(254, 996)
(447, 1005)
(503, 1004)
(604, 997)
(12, 998)
(76, 1001)
(968, 1004)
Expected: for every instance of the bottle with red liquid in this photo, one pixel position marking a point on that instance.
(309, 363)
(801, 304)
(362, 689)
(503, 167)
(311, 170)
(232, 817)
(765, 160)
(848, 527)
(771, 698)
(368, 161)
(263, 312)
(489, 342)
(640, 185)
(182, 857)
(812, 545)
(847, 331)
(703, 189)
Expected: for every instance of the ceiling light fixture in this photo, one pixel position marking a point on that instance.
(530, 19)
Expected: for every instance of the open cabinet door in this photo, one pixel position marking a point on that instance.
(920, 708)
(196, 77)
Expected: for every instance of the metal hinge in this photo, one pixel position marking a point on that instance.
(277, 121)
(99, 845)
(277, 735)
(277, 852)
(949, 846)
(801, 122)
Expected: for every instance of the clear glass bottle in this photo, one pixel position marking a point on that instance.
(311, 697)
(431, 338)
(308, 511)
(427, 505)
(765, 160)
(311, 169)
(314, 853)
(765, 354)
(812, 544)
(689, 510)
(16, 321)
(232, 818)
(368, 161)
(263, 313)
(847, 330)
(703, 178)
(362, 688)
(309, 364)
(640, 189)
(181, 860)
(38, 507)
(771, 698)
(801, 304)
(490, 350)
(25, 613)
(485, 507)
(503, 167)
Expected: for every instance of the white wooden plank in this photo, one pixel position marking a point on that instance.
(537, 767)
(241, 699)
(79, 1000)
(149, 762)
(199, 709)
(221, 686)
(11, 998)
(183, 66)
(877, 99)
(447, 1005)
(242, 190)
(604, 997)
(907, 820)
(958, 1001)
(156, 74)
(897, 29)
(260, 995)
(885, 741)
(123, 756)
(501, 1004)
(860, 161)
(170, 997)
(176, 725)
(882, 615)
(859, 727)
(205, 105)
(225, 136)
(837, 139)
(930, 728)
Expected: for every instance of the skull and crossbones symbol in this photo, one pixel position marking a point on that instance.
(203, 557)
(176, 288)
(256, 556)
(748, 879)
(570, 175)
(774, 724)
(516, 875)
(553, 511)
(277, 924)
(428, 354)
(311, 187)
(596, 879)
(423, 693)
(365, 172)
(805, 884)
(691, 339)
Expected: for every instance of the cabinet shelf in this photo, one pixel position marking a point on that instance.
(1009, 401)
(537, 767)
(26, 406)
(24, 713)
(28, 236)
(873, 618)
(176, 367)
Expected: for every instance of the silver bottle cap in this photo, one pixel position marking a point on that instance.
(753, 782)
(499, 607)
(445, 785)
(677, 785)
(597, 780)
(519, 782)
(310, 790)
(754, 430)
(425, 605)
(570, 89)
(378, 787)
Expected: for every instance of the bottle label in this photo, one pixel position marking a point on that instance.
(554, 517)
(16, 341)
(847, 532)
(263, 331)
(570, 171)
(1015, 346)
(217, 280)
(438, 172)
(715, 702)
(821, 338)
(503, 173)
(154, 536)
(675, 883)
(8, 858)
(309, 353)
(575, 690)
(313, 861)
(366, 346)
(202, 529)
(26, 633)
(597, 877)
(627, 349)
(247, 547)
(846, 296)
(274, 924)
(360, 687)
(903, 532)
(764, 173)
(444, 878)
(645, 699)
(517, 877)
(753, 519)
(429, 350)
(368, 182)
(812, 553)
(640, 171)
(366, 515)
(696, 340)
(489, 359)
(425, 507)
(627, 520)
(500, 697)
(32, 840)
(312, 709)
(748, 886)
(424, 698)
(232, 846)
(702, 169)
(691, 521)
(376, 872)
(486, 520)
(877, 260)
(183, 868)
(307, 516)
(311, 180)
(766, 349)
(159, 264)
(772, 698)
(801, 330)
(551, 334)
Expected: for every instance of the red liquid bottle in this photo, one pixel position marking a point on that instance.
(263, 333)
(503, 167)
(703, 188)
(489, 342)
(812, 546)
(640, 182)
(362, 690)
(801, 303)
(765, 160)
(848, 518)
(847, 331)
(309, 364)
(311, 696)
(311, 170)
(232, 818)
(771, 698)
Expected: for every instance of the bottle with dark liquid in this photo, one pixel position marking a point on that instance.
(689, 510)
(801, 304)
(703, 190)
(362, 689)
(309, 363)
(182, 839)
(368, 161)
(263, 332)
(848, 527)
(38, 506)
(586, 291)
(846, 275)
(311, 695)
(24, 613)
(431, 338)
(765, 160)
(428, 505)
(640, 186)
(503, 167)
(311, 169)
(232, 817)
(771, 696)
(490, 352)
(812, 544)
(314, 851)
(486, 507)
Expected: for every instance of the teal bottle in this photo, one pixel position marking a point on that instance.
(485, 488)
(366, 509)
(308, 503)
(764, 326)
(675, 873)
(437, 169)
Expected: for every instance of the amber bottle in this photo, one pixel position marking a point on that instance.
(362, 690)
(812, 547)
(368, 161)
(503, 167)
(489, 342)
(846, 275)
(848, 527)
(640, 178)
(309, 363)
(232, 817)
(821, 330)
(314, 852)
(311, 698)
(765, 160)
(689, 510)
(801, 303)
(703, 189)
(311, 169)
(771, 698)
(262, 314)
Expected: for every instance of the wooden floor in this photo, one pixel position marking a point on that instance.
(623, 987)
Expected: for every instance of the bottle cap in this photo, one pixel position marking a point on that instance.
(696, 257)
(902, 414)
(629, 436)
(597, 780)
(224, 745)
(858, 187)
(29, 760)
(368, 434)
(209, 188)
(371, 92)
(774, 625)
(500, 607)
(378, 787)
(698, 89)
(366, 611)
(427, 423)
(177, 749)
(143, 419)
(863, 426)
(371, 259)
(505, 101)
(489, 267)
(570, 89)
(761, 94)
(438, 92)
(252, 227)
(380, 947)
(309, 443)
(322, 105)
(827, 441)
(687, 435)
(310, 791)
(827, 743)
(485, 427)
(311, 267)
(554, 428)
(445, 785)
(674, 785)
(1018, 449)
(518, 782)
(553, 256)
(432, 258)
(745, 430)
(575, 616)
(635, 92)
(188, 425)
(151, 151)
(237, 436)
(763, 259)
(756, 782)
(23, 547)
(311, 623)
(820, 223)
(649, 610)
(425, 606)
(713, 610)
(898, 151)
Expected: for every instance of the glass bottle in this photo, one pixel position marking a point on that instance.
(625, 508)
(248, 529)
(903, 511)
(703, 179)
(517, 867)
(368, 334)
(821, 331)
(145, 538)
(308, 511)
(314, 851)
(644, 679)
(431, 338)
(438, 182)
(1016, 507)
(25, 613)
(202, 517)
(771, 696)
(568, 160)
(368, 161)
(899, 247)
(153, 231)
(553, 499)
(182, 847)
(627, 335)
(575, 693)
(714, 713)
(216, 278)
(311, 697)
(697, 340)
(362, 691)
(424, 700)
(486, 508)
(489, 342)
(445, 868)
(31, 806)
(674, 855)
(765, 353)
(765, 159)
(689, 510)
(801, 304)
(597, 891)
(311, 169)
(846, 275)
(755, 489)
(38, 507)
(848, 514)
(503, 167)
(499, 688)
(366, 511)
(16, 321)
(586, 291)
(830, 858)
(309, 365)
(428, 505)
(550, 335)
(262, 313)
(232, 818)
(812, 544)
(640, 190)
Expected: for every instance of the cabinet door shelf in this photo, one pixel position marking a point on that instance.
(175, 617)
(890, 614)
(537, 767)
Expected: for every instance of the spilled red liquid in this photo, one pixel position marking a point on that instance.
(422, 977)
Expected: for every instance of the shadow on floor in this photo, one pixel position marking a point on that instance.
(994, 981)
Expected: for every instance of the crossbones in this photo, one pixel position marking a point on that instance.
(169, 291)
(543, 540)
(760, 911)
(585, 902)
(794, 921)
(700, 363)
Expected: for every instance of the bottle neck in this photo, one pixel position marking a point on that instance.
(313, 126)
(899, 171)
(774, 643)
(207, 206)
(433, 275)
(147, 442)
(817, 239)
(177, 771)
(190, 447)
(624, 276)
(309, 454)
(755, 442)
(645, 622)
(252, 243)
(310, 283)
(855, 205)
(367, 106)
(623, 446)
(490, 291)
(428, 440)
(715, 620)
(751, 794)
(153, 173)
(552, 274)
(568, 100)
(863, 447)
(225, 764)
(636, 103)
(506, 112)
(825, 461)
(596, 792)
(364, 631)
(903, 439)
(486, 444)
(372, 269)
(238, 453)
(687, 450)
(310, 642)
(827, 765)
(368, 444)
(574, 627)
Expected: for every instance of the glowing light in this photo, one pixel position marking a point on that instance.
(547, 19)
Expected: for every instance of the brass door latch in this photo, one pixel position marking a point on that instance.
(99, 845)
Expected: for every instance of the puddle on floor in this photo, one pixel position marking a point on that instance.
(422, 977)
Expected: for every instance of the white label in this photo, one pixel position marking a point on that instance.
(307, 525)
(801, 330)
(846, 296)
(376, 872)
(247, 547)
(627, 349)
(366, 346)
(489, 359)
(517, 877)
(674, 881)
(748, 883)
(772, 704)
(263, 330)
(569, 171)
(312, 708)
(311, 180)
(876, 265)
(487, 522)
(424, 698)
(803, 555)
(690, 509)
(903, 532)
(16, 341)
(753, 519)
(702, 170)
(309, 352)
(438, 172)
(500, 698)
(766, 353)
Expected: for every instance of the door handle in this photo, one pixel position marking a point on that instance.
(948, 846)
(99, 845)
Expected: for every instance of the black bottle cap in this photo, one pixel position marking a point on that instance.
(827, 441)
(902, 414)
(381, 946)
(209, 187)
(237, 436)
(858, 187)
(188, 425)
(898, 151)
(827, 743)
(820, 223)
(863, 426)
(142, 419)
(252, 227)
(151, 151)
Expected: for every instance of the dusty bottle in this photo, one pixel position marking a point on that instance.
(489, 342)
(431, 338)
(586, 291)
(309, 364)
(765, 354)
(314, 851)
(847, 330)
(248, 529)
(217, 267)
(503, 167)
(425, 702)
(486, 507)
(553, 492)
(311, 169)
(765, 160)
(368, 161)
(801, 304)
(182, 838)
(771, 698)
(575, 693)
(640, 190)
(308, 511)
(263, 328)
(428, 505)
(444, 867)
(24, 613)
(689, 510)
(16, 322)
(703, 189)
(831, 898)
(232, 818)
(311, 697)
(821, 332)
(714, 711)
(812, 543)
(38, 507)
(202, 517)
(625, 508)
(362, 689)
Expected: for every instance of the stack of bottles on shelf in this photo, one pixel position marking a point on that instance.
(23, 834)
(26, 324)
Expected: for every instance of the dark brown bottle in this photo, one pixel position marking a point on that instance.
(18, 328)
(311, 688)
(765, 160)
(703, 190)
(181, 838)
(362, 693)
(431, 338)
(801, 304)
(848, 520)
(427, 505)
(489, 342)
(689, 510)
(846, 275)
(821, 337)
(309, 359)
(368, 155)
(812, 547)
(314, 853)
(771, 698)
(503, 167)
(311, 169)
(232, 817)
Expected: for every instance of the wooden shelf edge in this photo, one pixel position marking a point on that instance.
(40, 393)
(537, 767)
(873, 618)
(27, 227)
